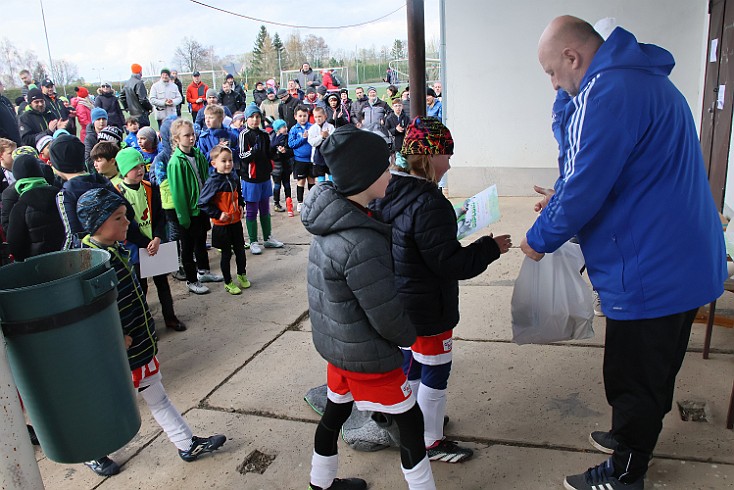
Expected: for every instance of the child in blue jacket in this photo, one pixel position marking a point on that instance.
(298, 142)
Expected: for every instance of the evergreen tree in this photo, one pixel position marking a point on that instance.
(262, 55)
(279, 51)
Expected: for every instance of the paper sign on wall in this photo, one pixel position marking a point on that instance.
(720, 97)
(714, 51)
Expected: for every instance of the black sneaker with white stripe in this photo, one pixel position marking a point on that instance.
(202, 445)
(448, 452)
(601, 477)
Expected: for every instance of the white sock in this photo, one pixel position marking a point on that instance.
(415, 385)
(433, 406)
(167, 416)
(323, 469)
(420, 477)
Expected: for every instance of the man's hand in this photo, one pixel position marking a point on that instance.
(52, 124)
(528, 250)
(504, 242)
(546, 193)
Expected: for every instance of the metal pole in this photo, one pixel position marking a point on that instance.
(417, 57)
(18, 466)
(48, 46)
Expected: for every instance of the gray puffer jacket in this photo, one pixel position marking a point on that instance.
(357, 320)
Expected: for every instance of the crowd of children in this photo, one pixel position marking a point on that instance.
(385, 240)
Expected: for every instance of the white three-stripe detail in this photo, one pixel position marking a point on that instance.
(574, 131)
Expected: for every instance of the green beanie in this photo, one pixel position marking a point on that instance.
(127, 159)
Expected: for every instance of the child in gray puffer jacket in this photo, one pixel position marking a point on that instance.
(358, 321)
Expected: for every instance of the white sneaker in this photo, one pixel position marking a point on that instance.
(255, 248)
(208, 276)
(298, 208)
(197, 287)
(597, 304)
(273, 243)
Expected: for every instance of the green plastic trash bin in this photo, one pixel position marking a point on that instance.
(66, 350)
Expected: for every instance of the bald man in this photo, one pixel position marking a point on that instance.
(634, 190)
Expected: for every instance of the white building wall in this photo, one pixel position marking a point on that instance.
(498, 99)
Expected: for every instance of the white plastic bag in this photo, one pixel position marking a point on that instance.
(551, 302)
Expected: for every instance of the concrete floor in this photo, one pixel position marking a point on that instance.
(245, 363)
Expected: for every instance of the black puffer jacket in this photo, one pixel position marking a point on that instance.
(35, 225)
(110, 103)
(357, 319)
(429, 260)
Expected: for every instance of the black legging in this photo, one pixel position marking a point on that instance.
(282, 179)
(193, 244)
(410, 426)
(164, 293)
(240, 261)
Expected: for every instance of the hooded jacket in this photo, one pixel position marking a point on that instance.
(232, 100)
(221, 194)
(110, 103)
(429, 260)
(357, 319)
(254, 153)
(279, 159)
(287, 110)
(185, 186)
(160, 163)
(308, 76)
(633, 187)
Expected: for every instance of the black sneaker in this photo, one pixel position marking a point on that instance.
(600, 477)
(603, 441)
(103, 466)
(202, 445)
(448, 452)
(343, 484)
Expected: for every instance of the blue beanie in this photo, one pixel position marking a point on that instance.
(98, 113)
(95, 206)
(278, 123)
(252, 109)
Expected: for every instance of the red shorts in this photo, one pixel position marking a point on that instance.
(379, 392)
(143, 372)
(434, 350)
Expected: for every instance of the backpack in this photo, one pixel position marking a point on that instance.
(335, 78)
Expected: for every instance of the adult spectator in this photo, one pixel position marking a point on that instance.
(196, 94)
(405, 96)
(307, 77)
(231, 99)
(236, 86)
(259, 94)
(631, 178)
(346, 103)
(179, 85)
(269, 107)
(27, 79)
(438, 88)
(164, 96)
(8, 119)
(53, 103)
(37, 119)
(433, 105)
(391, 76)
(374, 112)
(360, 99)
(295, 91)
(134, 96)
(108, 101)
(328, 82)
(287, 107)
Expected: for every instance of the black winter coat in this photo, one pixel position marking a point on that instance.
(32, 123)
(287, 111)
(233, 100)
(429, 260)
(8, 121)
(111, 104)
(279, 158)
(35, 225)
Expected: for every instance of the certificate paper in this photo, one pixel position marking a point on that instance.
(165, 261)
(477, 212)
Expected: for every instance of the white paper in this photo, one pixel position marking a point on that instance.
(477, 212)
(165, 261)
(720, 97)
(713, 52)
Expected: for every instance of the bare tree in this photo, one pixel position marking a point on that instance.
(190, 54)
(315, 49)
(64, 72)
(294, 55)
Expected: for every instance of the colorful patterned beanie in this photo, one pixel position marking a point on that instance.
(427, 136)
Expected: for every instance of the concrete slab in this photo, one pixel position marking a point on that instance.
(503, 392)
(500, 467)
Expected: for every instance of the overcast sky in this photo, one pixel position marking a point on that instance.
(104, 38)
